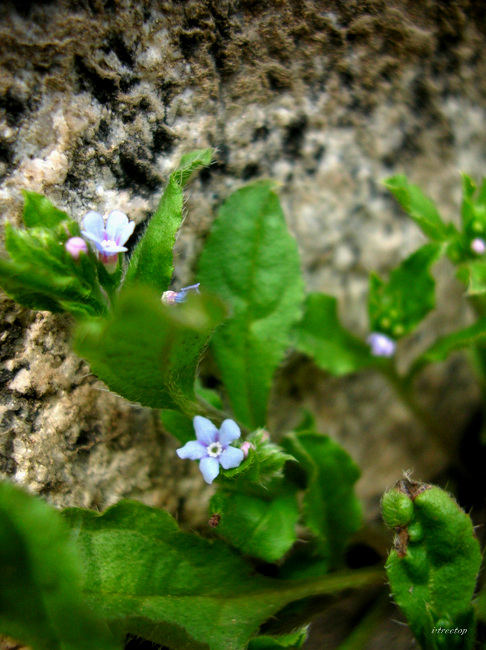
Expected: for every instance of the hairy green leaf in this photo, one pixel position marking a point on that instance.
(396, 307)
(148, 352)
(331, 509)
(321, 336)
(251, 261)
(146, 577)
(420, 208)
(39, 212)
(41, 603)
(151, 263)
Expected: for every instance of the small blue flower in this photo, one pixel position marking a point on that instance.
(381, 345)
(172, 297)
(108, 239)
(212, 447)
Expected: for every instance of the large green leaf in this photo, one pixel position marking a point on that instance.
(330, 507)
(148, 352)
(420, 208)
(396, 307)
(251, 261)
(151, 263)
(146, 577)
(41, 603)
(261, 524)
(321, 336)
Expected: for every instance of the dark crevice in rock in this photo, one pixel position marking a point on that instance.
(294, 137)
(104, 89)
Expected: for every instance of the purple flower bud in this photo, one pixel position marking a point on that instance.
(245, 448)
(478, 246)
(381, 345)
(75, 246)
(173, 297)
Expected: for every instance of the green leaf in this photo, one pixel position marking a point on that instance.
(293, 641)
(146, 577)
(261, 525)
(445, 345)
(42, 275)
(321, 336)
(476, 278)
(151, 263)
(149, 352)
(420, 208)
(41, 603)
(434, 564)
(397, 307)
(179, 425)
(330, 507)
(251, 261)
(40, 212)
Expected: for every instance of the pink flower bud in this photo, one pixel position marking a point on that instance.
(75, 246)
(245, 448)
(478, 246)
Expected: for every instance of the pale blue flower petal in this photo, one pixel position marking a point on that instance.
(381, 345)
(209, 469)
(94, 226)
(115, 225)
(228, 432)
(231, 457)
(192, 450)
(206, 432)
(126, 232)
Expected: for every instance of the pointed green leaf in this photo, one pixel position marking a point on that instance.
(321, 336)
(40, 212)
(396, 307)
(151, 263)
(251, 261)
(420, 208)
(477, 278)
(149, 352)
(445, 345)
(261, 525)
(146, 577)
(331, 509)
(293, 641)
(41, 603)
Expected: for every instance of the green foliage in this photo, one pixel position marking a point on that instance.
(321, 336)
(41, 603)
(178, 424)
(421, 209)
(251, 261)
(40, 274)
(39, 212)
(151, 263)
(396, 307)
(292, 641)
(432, 569)
(148, 352)
(330, 508)
(146, 577)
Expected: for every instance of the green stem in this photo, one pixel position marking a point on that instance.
(403, 389)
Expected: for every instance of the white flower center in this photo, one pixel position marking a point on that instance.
(214, 449)
(108, 244)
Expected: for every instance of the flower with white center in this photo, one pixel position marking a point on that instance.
(213, 447)
(173, 297)
(75, 246)
(381, 345)
(478, 246)
(110, 239)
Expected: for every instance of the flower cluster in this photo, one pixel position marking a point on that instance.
(213, 447)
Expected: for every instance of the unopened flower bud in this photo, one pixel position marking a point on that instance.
(478, 246)
(245, 448)
(75, 246)
(381, 345)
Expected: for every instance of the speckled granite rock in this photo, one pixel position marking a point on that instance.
(98, 100)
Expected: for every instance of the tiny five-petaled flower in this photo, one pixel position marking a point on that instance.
(212, 447)
(381, 345)
(109, 239)
(172, 297)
